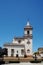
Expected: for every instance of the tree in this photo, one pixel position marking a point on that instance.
(5, 51)
(1, 52)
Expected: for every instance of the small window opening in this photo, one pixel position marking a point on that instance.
(19, 41)
(28, 51)
(27, 32)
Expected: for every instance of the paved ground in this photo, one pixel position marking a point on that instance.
(28, 63)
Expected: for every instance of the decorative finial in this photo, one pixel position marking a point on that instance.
(28, 22)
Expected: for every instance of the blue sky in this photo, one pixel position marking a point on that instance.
(13, 17)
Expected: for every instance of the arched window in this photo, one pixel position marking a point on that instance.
(12, 52)
(28, 51)
(17, 51)
(27, 32)
(19, 41)
(22, 51)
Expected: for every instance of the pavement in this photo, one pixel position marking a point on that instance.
(24, 63)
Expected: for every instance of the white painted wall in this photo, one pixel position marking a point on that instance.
(28, 46)
(14, 41)
(25, 32)
(16, 48)
(30, 31)
(41, 55)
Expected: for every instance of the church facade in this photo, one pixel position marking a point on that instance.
(21, 46)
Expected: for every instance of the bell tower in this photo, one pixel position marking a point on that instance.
(28, 30)
(28, 36)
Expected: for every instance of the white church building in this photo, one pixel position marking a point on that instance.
(21, 46)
